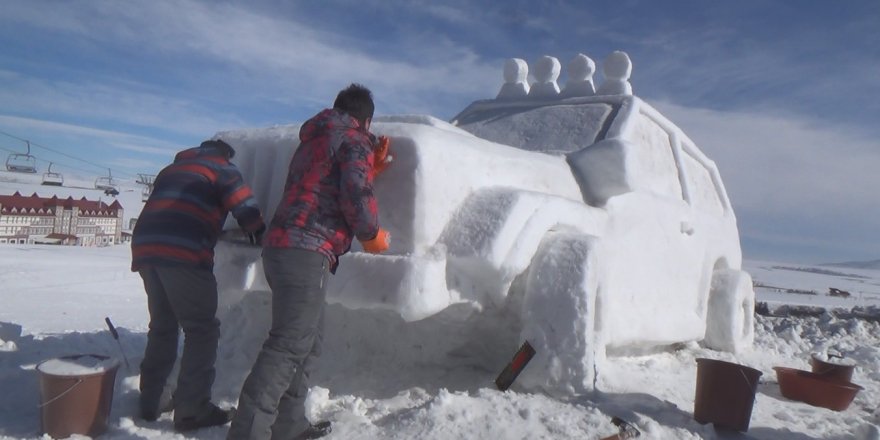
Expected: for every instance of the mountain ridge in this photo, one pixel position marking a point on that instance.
(869, 264)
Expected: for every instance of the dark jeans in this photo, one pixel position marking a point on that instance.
(187, 298)
(272, 401)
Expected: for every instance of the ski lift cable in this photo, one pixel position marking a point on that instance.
(34, 144)
(62, 164)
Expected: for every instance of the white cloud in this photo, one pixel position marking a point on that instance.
(792, 180)
(74, 140)
(782, 163)
(136, 164)
(124, 141)
(260, 57)
(124, 102)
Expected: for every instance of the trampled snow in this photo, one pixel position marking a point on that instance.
(426, 390)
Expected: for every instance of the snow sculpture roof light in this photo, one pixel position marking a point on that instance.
(51, 178)
(22, 163)
(546, 73)
(617, 69)
(516, 71)
(580, 77)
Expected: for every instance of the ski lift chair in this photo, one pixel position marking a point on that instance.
(106, 183)
(52, 179)
(22, 163)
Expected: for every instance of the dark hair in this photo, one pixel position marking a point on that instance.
(221, 145)
(357, 101)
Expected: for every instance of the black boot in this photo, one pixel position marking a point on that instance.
(214, 416)
(151, 414)
(316, 430)
(151, 409)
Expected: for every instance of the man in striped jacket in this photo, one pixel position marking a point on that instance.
(328, 201)
(173, 251)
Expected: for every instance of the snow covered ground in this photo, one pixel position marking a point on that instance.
(54, 300)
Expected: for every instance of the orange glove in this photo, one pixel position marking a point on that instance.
(381, 160)
(378, 244)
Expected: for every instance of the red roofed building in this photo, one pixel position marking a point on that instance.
(34, 219)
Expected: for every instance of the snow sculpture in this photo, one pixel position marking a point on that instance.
(590, 227)
(580, 77)
(515, 86)
(617, 69)
(546, 73)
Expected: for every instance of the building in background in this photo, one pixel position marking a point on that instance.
(34, 219)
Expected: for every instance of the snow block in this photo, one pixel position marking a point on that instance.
(559, 315)
(730, 325)
(496, 232)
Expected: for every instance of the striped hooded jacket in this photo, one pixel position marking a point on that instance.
(328, 196)
(183, 218)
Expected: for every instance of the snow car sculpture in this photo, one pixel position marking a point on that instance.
(610, 224)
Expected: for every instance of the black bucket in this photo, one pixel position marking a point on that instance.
(725, 394)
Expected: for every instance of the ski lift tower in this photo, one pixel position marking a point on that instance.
(22, 163)
(147, 181)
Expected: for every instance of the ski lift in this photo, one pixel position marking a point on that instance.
(22, 163)
(52, 179)
(147, 181)
(106, 183)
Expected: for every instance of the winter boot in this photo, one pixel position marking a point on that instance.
(316, 430)
(213, 416)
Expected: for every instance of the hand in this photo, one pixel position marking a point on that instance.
(381, 159)
(256, 237)
(378, 244)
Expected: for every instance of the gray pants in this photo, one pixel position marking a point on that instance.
(272, 401)
(183, 297)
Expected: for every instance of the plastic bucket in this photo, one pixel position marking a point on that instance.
(815, 389)
(838, 371)
(725, 394)
(76, 393)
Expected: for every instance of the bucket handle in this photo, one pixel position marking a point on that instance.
(746, 378)
(78, 381)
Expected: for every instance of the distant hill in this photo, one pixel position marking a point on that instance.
(873, 264)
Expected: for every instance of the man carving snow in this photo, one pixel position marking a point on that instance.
(173, 250)
(328, 200)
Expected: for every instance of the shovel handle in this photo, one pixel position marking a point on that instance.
(112, 328)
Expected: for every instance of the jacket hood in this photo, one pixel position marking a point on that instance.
(326, 121)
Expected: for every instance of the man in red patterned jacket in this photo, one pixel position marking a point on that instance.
(328, 201)
(173, 250)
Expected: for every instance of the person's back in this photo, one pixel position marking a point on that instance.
(173, 252)
(327, 199)
(183, 218)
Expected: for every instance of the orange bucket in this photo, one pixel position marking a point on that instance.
(76, 393)
(840, 371)
(816, 389)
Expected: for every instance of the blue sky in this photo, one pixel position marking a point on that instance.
(781, 94)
